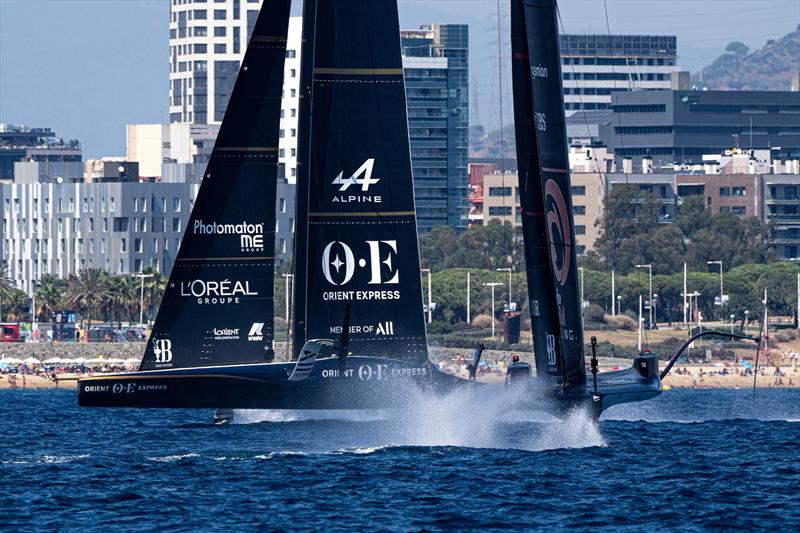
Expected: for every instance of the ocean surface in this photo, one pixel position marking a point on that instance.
(689, 460)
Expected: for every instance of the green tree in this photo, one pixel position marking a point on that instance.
(49, 293)
(87, 291)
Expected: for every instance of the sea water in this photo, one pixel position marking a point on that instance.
(690, 459)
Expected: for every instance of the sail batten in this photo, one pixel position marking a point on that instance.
(217, 308)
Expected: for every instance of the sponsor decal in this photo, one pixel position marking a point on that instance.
(538, 71)
(381, 328)
(339, 263)
(362, 177)
(375, 372)
(551, 349)
(96, 388)
(558, 231)
(255, 332)
(540, 121)
(225, 334)
(216, 292)
(251, 236)
(535, 307)
(162, 349)
(130, 388)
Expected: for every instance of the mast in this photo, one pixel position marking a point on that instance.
(304, 125)
(217, 308)
(541, 25)
(541, 292)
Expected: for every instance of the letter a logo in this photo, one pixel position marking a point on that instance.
(365, 182)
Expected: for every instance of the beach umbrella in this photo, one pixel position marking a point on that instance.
(53, 360)
(131, 360)
(12, 361)
(115, 361)
(32, 361)
(79, 361)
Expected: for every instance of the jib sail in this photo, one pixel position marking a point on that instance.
(217, 307)
(547, 115)
(541, 292)
(361, 246)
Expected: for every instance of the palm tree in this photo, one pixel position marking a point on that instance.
(153, 290)
(124, 296)
(87, 291)
(49, 293)
(6, 286)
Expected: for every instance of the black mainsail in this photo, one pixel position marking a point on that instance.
(549, 169)
(541, 292)
(217, 308)
(361, 246)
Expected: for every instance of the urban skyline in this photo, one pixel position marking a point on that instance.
(61, 90)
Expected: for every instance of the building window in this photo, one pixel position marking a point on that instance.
(200, 14)
(580, 230)
(579, 209)
(220, 14)
(578, 190)
(291, 53)
(112, 204)
(282, 204)
(499, 191)
(176, 205)
(220, 31)
(724, 191)
(176, 224)
(500, 211)
(739, 191)
(137, 245)
(219, 48)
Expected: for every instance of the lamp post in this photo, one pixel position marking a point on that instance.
(141, 294)
(430, 310)
(721, 294)
(685, 292)
(287, 277)
(492, 285)
(746, 321)
(613, 297)
(732, 317)
(468, 308)
(650, 277)
(619, 304)
(654, 304)
(508, 269)
(640, 322)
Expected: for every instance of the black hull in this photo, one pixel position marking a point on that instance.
(362, 383)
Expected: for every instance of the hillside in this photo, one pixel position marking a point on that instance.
(768, 68)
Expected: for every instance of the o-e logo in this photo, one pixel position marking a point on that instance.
(340, 256)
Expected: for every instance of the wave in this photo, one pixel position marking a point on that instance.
(172, 458)
(47, 459)
(257, 416)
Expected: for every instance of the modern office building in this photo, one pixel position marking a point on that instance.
(680, 127)
(437, 88)
(595, 66)
(208, 39)
(118, 226)
(24, 144)
(781, 204)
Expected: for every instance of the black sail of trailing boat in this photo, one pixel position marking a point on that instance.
(361, 246)
(549, 127)
(541, 291)
(218, 305)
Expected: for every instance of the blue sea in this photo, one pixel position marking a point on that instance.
(689, 460)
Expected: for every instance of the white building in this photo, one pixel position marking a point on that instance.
(208, 39)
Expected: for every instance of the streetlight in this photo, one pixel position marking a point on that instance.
(654, 304)
(492, 285)
(430, 307)
(732, 317)
(508, 269)
(468, 309)
(619, 305)
(141, 294)
(650, 276)
(287, 277)
(721, 294)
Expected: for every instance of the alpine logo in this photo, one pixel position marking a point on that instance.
(255, 332)
(363, 177)
(162, 348)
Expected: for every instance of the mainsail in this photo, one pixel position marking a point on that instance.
(361, 246)
(547, 115)
(541, 292)
(217, 308)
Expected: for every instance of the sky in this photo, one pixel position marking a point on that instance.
(87, 67)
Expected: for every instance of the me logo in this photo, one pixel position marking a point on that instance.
(551, 349)
(255, 332)
(340, 256)
(365, 181)
(162, 348)
(251, 243)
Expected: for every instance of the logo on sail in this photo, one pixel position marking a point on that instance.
(558, 231)
(339, 263)
(162, 349)
(225, 334)
(538, 71)
(362, 178)
(255, 332)
(251, 236)
(216, 292)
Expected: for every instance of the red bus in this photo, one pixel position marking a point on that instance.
(10, 333)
